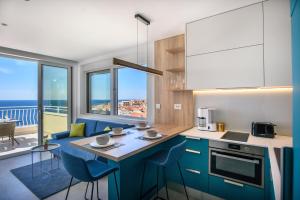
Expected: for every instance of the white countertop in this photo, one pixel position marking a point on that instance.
(270, 143)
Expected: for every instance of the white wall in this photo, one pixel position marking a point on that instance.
(239, 108)
(105, 61)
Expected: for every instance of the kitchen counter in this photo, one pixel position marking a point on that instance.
(131, 145)
(277, 142)
(129, 158)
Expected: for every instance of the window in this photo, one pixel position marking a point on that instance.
(132, 93)
(99, 100)
(121, 91)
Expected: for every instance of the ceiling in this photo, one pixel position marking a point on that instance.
(80, 29)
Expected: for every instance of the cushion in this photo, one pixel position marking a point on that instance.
(101, 125)
(77, 130)
(107, 128)
(90, 126)
(60, 135)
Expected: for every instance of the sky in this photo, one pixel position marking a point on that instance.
(18, 81)
(132, 84)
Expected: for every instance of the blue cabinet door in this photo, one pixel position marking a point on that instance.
(195, 179)
(232, 190)
(194, 165)
(296, 95)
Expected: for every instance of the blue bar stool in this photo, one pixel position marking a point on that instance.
(165, 159)
(87, 171)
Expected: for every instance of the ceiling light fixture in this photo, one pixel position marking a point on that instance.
(137, 66)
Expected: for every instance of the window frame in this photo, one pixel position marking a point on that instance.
(117, 98)
(88, 89)
(113, 92)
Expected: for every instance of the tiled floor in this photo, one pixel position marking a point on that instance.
(12, 189)
(26, 141)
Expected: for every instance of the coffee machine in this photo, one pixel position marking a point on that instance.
(206, 119)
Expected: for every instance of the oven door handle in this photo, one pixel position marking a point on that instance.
(236, 158)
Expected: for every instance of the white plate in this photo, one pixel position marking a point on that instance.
(123, 133)
(153, 138)
(96, 145)
(143, 128)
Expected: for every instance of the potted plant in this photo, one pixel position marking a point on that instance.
(46, 142)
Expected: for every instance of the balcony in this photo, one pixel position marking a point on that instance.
(26, 132)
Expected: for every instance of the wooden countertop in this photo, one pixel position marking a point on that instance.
(278, 141)
(131, 144)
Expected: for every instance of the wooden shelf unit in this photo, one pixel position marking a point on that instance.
(170, 88)
(179, 90)
(176, 50)
(176, 69)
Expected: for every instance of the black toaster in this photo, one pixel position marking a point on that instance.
(263, 129)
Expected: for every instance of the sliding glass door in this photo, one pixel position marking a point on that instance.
(35, 99)
(54, 99)
(18, 105)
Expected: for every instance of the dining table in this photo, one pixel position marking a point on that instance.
(129, 154)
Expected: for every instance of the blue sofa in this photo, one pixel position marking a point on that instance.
(92, 128)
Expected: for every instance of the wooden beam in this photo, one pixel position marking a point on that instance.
(124, 63)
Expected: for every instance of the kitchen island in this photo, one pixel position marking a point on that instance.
(130, 156)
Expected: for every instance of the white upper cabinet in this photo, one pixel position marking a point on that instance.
(226, 69)
(245, 47)
(277, 43)
(238, 28)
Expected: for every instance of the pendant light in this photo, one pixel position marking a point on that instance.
(124, 63)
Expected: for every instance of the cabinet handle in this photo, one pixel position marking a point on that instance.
(233, 183)
(192, 151)
(193, 171)
(193, 138)
(235, 158)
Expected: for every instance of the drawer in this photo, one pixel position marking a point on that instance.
(195, 161)
(233, 190)
(195, 178)
(197, 144)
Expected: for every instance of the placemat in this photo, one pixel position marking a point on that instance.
(116, 145)
(143, 138)
(127, 133)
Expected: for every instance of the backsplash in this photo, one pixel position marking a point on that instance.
(239, 109)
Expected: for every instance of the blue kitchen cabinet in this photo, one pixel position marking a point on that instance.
(194, 165)
(295, 12)
(233, 191)
(293, 5)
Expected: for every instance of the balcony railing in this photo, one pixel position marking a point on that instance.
(28, 115)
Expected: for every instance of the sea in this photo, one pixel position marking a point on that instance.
(26, 110)
(13, 103)
(22, 110)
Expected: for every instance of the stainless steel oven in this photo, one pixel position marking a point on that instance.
(237, 162)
